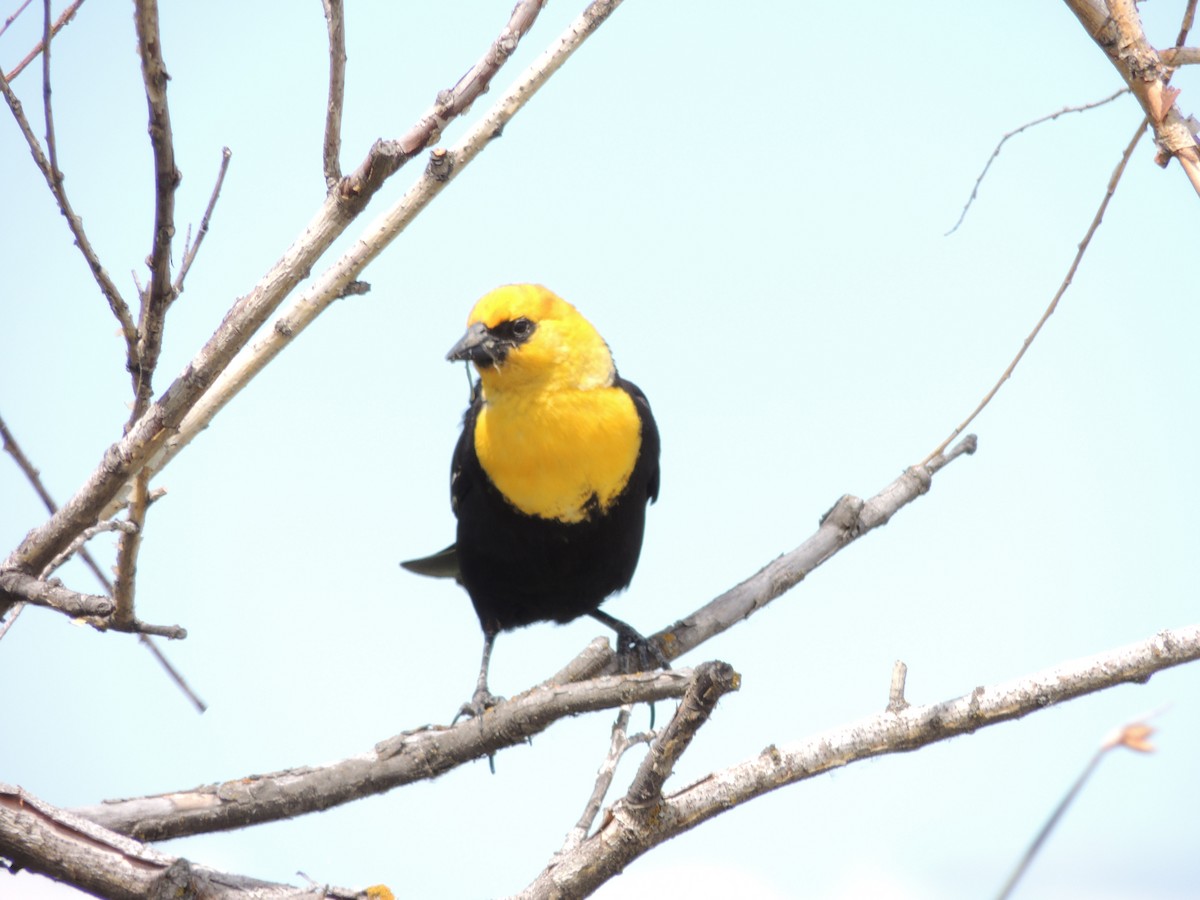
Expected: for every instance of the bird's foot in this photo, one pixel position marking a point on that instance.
(481, 701)
(638, 654)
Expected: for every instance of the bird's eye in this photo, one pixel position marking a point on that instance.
(522, 328)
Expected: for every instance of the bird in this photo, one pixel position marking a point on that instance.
(556, 464)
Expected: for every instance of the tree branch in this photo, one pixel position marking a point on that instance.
(190, 249)
(628, 833)
(335, 20)
(159, 291)
(1117, 29)
(411, 756)
(78, 545)
(1058, 295)
(54, 180)
(64, 17)
(1012, 134)
(385, 157)
(97, 496)
(332, 284)
(848, 520)
(17, 586)
(710, 682)
(61, 845)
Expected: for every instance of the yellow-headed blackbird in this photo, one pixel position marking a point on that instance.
(550, 480)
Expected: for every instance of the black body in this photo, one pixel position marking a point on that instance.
(520, 569)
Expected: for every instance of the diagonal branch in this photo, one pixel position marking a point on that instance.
(61, 845)
(190, 248)
(11, 446)
(445, 164)
(1084, 107)
(710, 682)
(54, 180)
(848, 520)
(305, 790)
(148, 434)
(19, 587)
(412, 756)
(627, 833)
(1058, 295)
(12, 17)
(64, 17)
(385, 157)
(1117, 29)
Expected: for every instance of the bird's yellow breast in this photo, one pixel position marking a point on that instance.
(550, 453)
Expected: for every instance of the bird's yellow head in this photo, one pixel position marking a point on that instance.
(525, 337)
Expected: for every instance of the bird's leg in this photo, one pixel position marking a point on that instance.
(634, 652)
(483, 699)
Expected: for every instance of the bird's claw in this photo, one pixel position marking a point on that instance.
(481, 701)
(638, 654)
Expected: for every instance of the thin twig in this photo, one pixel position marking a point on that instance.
(102, 491)
(322, 291)
(1134, 736)
(84, 536)
(1014, 133)
(1062, 289)
(896, 701)
(127, 553)
(630, 832)
(710, 682)
(1181, 56)
(335, 20)
(159, 290)
(7, 622)
(20, 9)
(191, 249)
(34, 477)
(59, 23)
(54, 180)
(620, 743)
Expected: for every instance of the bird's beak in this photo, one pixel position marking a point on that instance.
(478, 345)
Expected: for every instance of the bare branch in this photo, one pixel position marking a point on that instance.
(335, 20)
(628, 833)
(66, 16)
(332, 284)
(54, 842)
(710, 682)
(54, 180)
(11, 617)
(12, 18)
(1117, 29)
(849, 519)
(1062, 289)
(34, 477)
(127, 554)
(619, 744)
(99, 495)
(19, 586)
(159, 290)
(896, 701)
(386, 156)
(13, 449)
(1181, 56)
(84, 536)
(1133, 736)
(412, 756)
(1011, 134)
(190, 249)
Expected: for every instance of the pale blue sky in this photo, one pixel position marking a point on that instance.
(749, 203)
